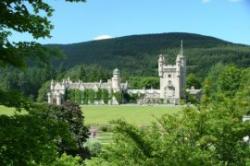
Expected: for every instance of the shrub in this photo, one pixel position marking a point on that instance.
(94, 147)
(71, 114)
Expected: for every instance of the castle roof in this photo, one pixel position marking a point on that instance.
(116, 71)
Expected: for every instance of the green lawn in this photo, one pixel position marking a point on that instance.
(100, 115)
(135, 114)
(6, 110)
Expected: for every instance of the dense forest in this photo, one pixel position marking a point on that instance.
(136, 57)
(38, 134)
(137, 54)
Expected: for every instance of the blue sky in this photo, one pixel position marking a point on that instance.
(225, 19)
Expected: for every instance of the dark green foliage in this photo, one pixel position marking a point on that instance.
(229, 81)
(142, 51)
(30, 17)
(94, 147)
(71, 114)
(222, 82)
(42, 93)
(243, 93)
(144, 82)
(78, 96)
(192, 98)
(26, 82)
(210, 85)
(23, 16)
(88, 96)
(91, 95)
(99, 94)
(193, 138)
(37, 136)
(85, 97)
(193, 81)
(208, 135)
(119, 97)
(86, 73)
(66, 160)
(105, 96)
(31, 139)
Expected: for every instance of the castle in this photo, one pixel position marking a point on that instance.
(58, 89)
(172, 83)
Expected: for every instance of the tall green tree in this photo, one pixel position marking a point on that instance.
(193, 81)
(212, 137)
(22, 16)
(34, 136)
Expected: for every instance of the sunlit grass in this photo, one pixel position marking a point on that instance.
(134, 114)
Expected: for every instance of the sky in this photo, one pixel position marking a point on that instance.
(97, 19)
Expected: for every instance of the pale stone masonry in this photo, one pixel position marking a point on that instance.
(172, 84)
(172, 78)
(58, 89)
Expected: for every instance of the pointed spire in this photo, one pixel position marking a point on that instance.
(181, 51)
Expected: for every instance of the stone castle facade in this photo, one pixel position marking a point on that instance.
(172, 83)
(58, 89)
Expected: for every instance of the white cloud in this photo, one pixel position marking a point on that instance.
(206, 1)
(103, 37)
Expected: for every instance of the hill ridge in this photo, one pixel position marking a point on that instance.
(137, 54)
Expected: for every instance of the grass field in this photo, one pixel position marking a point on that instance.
(6, 110)
(134, 114)
(101, 115)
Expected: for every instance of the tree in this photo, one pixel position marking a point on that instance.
(31, 139)
(91, 95)
(193, 138)
(193, 81)
(105, 96)
(66, 160)
(70, 114)
(210, 85)
(208, 135)
(229, 80)
(83, 76)
(119, 97)
(42, 93)
(23, 17)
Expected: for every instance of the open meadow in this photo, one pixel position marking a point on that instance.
(98, 115)
(134, 114)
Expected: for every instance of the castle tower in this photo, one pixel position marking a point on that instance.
(116, 80)
(161, 62)
(181, 73)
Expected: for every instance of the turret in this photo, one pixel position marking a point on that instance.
(52, 84)
(161, 62)
(116, 80)
(181, 70)
(181, 60)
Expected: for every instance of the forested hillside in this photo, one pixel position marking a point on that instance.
(136, 57)
(137, 54)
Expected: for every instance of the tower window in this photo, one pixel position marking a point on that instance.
(169, 76)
